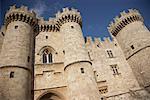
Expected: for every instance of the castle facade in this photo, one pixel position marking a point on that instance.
(51, 60)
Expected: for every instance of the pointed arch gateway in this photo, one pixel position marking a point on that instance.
(51, 95)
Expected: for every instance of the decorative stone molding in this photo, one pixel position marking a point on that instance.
(124, 19)
(48, 26)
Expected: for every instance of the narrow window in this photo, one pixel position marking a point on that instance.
(50, 57)
(110, 54)
(82, 70)
(28, 58)
(72, 27)
(47, 56)
(63, 51)
(3, 34)
(46, 37)
(115, 69)
(44, 58)
(89, 55)
(16, 27)
(11, 75)
(132, 47)
(95, 75)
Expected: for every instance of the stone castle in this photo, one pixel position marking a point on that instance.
(50, 60)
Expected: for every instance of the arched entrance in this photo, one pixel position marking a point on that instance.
(51, 96)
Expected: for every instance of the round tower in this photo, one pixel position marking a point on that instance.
(134, 39)
(16, 64)
(77, 66)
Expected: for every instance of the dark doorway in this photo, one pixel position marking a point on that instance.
(50, 96)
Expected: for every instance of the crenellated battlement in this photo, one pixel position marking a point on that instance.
(107, 39)
(20, 14)
(68, 15)
(52, 25)
(124, 19)
(48, 26)
(88, 40)
(97, 41)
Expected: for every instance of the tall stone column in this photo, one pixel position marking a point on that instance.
(134, 39)
(16, 57)
(78, 68)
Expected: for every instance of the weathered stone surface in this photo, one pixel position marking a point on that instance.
(134, 40)
(16, 64)
(70, 75)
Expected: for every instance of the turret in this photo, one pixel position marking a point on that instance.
(134, 39)
(16, 55)
(77, 66)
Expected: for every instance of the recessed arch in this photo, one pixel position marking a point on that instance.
(47, 54)
(51, 49)
(51, 95)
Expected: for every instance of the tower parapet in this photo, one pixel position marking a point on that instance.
(20, 14)
(68, 15)
(124, 19)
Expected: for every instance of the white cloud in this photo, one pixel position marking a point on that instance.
(39, 7)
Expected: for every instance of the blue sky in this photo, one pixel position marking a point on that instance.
(96, 14)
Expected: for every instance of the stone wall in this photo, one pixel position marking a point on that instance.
(52, 40)
(101, 62)
(134, 39)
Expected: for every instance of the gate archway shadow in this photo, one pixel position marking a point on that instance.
(51, 95)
